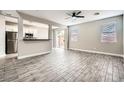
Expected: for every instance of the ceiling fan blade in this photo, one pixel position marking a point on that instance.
(69, 14)
(79, 16)
(78, 12)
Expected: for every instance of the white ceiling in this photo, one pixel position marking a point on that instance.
(59, 16)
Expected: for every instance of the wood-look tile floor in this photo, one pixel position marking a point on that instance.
(63, 66)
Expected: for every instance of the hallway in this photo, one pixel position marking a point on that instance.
(63, 66)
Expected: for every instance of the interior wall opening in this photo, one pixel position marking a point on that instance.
(60, 39)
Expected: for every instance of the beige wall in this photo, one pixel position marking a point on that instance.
(90, 36)
(66, 39)
(123, 35)
(32, 48)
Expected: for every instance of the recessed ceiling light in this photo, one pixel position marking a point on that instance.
(97, 13)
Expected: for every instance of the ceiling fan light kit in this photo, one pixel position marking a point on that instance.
(97, 13)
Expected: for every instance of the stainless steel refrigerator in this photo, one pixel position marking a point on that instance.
(11, 42)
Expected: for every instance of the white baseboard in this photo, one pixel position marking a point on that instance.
(2, 56)
(36, 54)
(91, 51)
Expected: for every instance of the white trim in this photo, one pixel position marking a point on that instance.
(91, 51)
(123, 55)
(36, 54)
(2, 56)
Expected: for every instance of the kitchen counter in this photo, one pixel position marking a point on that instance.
(34, 39)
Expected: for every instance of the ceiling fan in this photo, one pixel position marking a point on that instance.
(74, 15)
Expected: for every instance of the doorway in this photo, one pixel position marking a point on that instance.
(60, 39)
